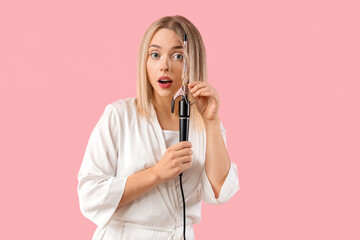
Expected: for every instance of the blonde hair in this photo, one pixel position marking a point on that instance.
(196, 56)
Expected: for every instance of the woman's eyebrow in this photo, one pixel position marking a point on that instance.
(157, 46)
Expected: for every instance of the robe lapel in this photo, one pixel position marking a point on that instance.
(158, 130)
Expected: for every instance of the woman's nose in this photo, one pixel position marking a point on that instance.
(165, 65)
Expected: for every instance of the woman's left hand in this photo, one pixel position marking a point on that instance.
(206, 98)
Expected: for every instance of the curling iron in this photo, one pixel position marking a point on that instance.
(184, 104)
(184, 116)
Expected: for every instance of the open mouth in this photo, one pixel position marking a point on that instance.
(164, 83)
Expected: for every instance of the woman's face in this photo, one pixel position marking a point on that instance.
(165, 58)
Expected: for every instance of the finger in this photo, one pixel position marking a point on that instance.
(197, 86)
(206, 92)
(181, 145)
(183, 152)
(197, 92)
(201, 90)
(192, 84)
(184, 160)
(186, 166)
(211, 95)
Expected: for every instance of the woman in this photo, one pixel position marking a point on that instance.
(128, 181)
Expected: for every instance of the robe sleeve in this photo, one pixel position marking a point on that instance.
(99, 189)
(229, 188)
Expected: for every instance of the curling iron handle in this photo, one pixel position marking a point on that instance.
(184, 129)
(184, 115)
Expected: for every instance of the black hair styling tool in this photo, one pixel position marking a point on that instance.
(184, 116)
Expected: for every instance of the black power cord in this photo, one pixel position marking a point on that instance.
(183, 199)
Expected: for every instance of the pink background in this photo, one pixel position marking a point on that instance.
(289, 81)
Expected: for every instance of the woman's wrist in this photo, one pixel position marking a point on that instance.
(156, 179)
(213, 123)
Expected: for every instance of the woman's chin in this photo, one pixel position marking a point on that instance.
(166, 93)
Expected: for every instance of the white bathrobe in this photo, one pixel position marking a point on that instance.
(123, 143)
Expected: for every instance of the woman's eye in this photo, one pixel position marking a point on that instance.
(178, 56)
(154, 55)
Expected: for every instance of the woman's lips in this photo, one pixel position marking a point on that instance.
(165, 82)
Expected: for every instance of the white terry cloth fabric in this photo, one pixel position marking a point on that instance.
(123, 143)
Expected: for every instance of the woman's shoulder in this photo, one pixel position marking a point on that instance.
(123, 106)
(123, 110)
(126, 103)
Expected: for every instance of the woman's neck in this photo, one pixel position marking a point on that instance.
(162, 106)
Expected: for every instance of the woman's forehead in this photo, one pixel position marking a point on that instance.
(165, 38)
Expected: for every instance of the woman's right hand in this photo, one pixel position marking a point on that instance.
(175, 160)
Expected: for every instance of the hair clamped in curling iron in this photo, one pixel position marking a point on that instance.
(184, 116)
(184, 104)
